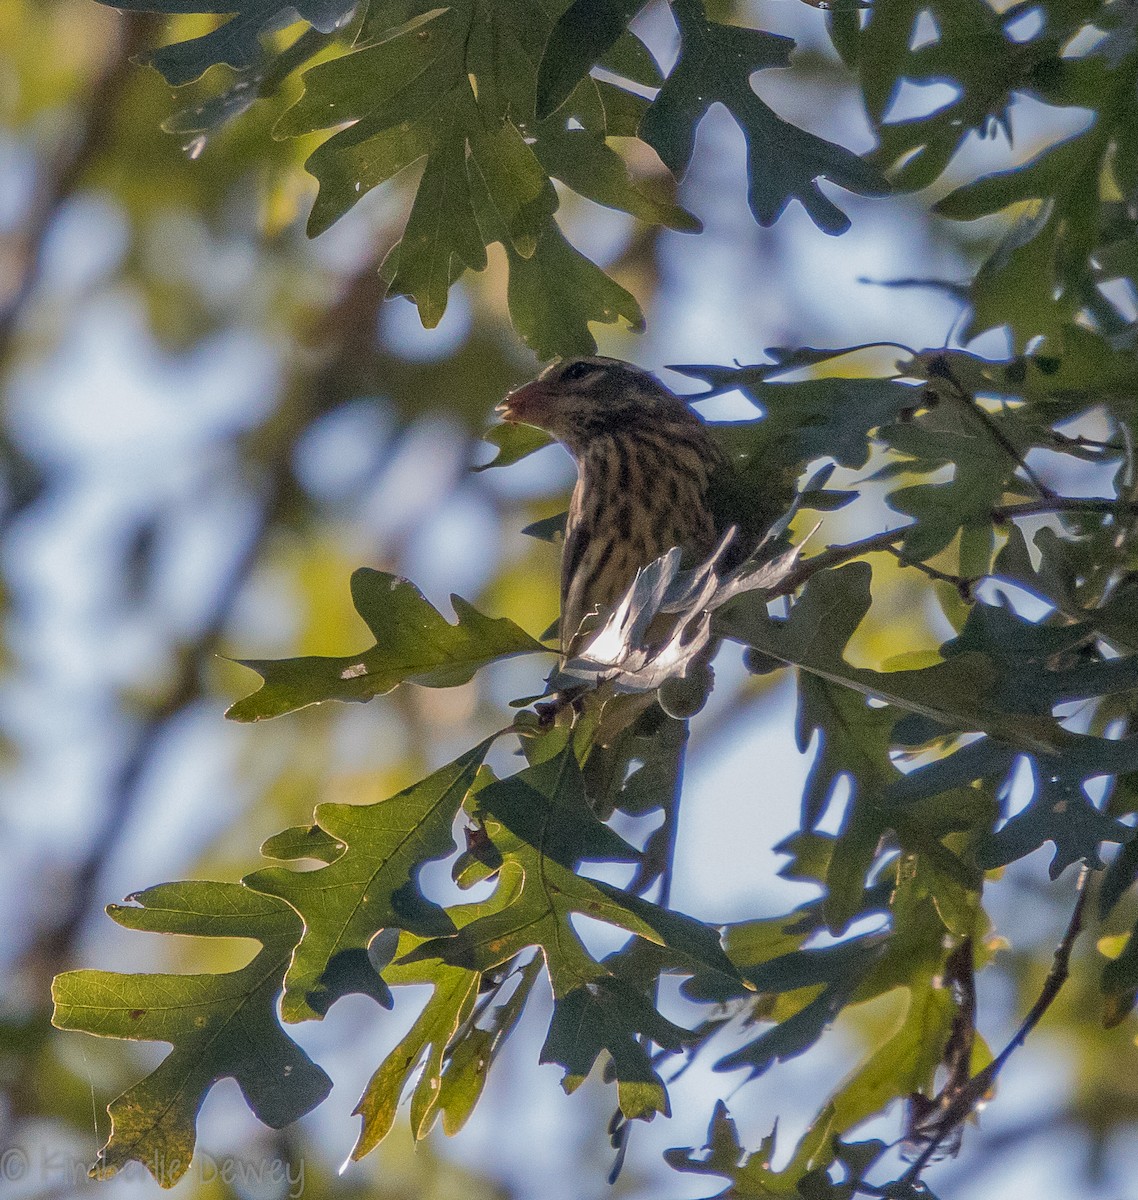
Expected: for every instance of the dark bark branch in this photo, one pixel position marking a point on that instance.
(836, 556)
(1056, 504)
(964, 1100)
(65, 174)
(940, 368)
(311, 391)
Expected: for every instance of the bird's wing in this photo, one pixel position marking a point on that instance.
(572, 553)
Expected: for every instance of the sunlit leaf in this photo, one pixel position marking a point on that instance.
(414, 643)
(237, 41)
(219, 1025)
(371, 885)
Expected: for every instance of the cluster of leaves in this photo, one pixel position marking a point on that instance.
(931, 756)
(496, 100)
(1074, 200)
(1015, 490)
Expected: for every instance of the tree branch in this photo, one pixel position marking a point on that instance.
(836, 556)
(940, 368)
(1033, 508)
(959, 1103)
(963, 585)
(314, 388)
(66, 173)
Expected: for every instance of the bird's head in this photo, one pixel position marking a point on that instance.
(579, 399)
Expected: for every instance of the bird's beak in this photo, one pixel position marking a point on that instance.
(531, 404)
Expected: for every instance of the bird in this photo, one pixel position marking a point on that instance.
(647, 467)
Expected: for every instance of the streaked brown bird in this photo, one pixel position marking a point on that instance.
(646, 466)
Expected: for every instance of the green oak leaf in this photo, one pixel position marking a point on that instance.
(371, 885)
(452, 1002)
(555, 293)
(451, 1053)
(960, 693)
(456, 86)
(1060, 813)
(303, 841)
(616, 1018)
(414, 644)
(807, 418)
(1120, 875)
(907, 962)
(441, 229)
(593, 169)
(514, 442)
(785, 163)
(985, 80)
(902, 1064)
(805, 1177)
(1055, 171)
(235, 42)
(220, 1026)
(853, 744)
(749, 943)
(1119, 980)
(1061, 242)
(983, 472)
(1041, 664)
(548, 529)
(545, 806)
(723, 1155)
(542, 896)
(832, 974)
(469, 1059)
(580, 38)
(261, 79)
(984, 759)
(1030, 282)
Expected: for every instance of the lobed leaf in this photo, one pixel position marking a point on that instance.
(539, 891)
(555, 293)
(959, 693)
(443, 1048)
(371, 885)
(414, 643)
(581, 36)
(784, 163)
(235, 42)
(218, 1025)
(1061, 813)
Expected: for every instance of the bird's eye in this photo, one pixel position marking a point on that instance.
(577, 370)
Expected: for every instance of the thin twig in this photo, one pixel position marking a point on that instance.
(965, 1099)
(939, 368)
(1001, 439)
(1034, 508)
(962, 584)
(1056, 977)
(837, 556)
(1082, 443)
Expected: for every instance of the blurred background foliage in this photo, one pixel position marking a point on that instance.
(209, 420)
